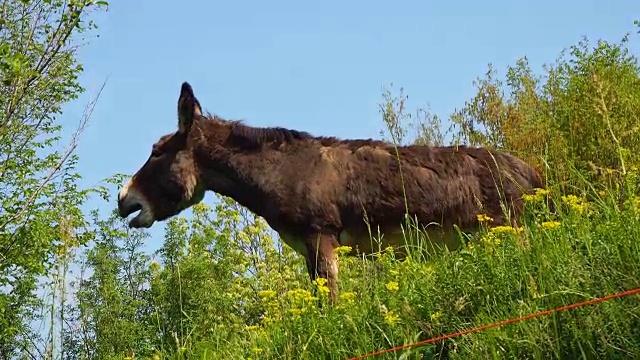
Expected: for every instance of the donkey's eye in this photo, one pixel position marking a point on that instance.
(155, 152)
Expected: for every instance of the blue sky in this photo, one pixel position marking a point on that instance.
(318, 67)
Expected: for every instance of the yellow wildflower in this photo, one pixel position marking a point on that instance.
(266, 294)
(394, 272)
(320, 281)
(252, 327)
(348, 296)
(541, 192)
(537, 196)
(484, 218)
(320, 284)
(502, 229)
(490, 239)
(392, 286)
(301, 295)
(391, 318)
(435, 316)
(343, 250)
(256, 350)
(550, 225)
(295, 311)
(324, 290)
(574, 203)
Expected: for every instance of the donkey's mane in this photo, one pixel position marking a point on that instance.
(255, 137)
(252, 137)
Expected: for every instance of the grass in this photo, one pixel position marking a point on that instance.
(590, 250)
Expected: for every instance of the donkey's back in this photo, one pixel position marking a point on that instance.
(446, 186)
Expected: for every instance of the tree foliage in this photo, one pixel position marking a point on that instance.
(38, 74)
(581, 114)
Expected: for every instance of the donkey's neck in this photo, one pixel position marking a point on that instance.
(253, 180)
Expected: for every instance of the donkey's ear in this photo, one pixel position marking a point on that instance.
(188, 108)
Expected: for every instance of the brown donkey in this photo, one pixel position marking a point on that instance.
(322, 192)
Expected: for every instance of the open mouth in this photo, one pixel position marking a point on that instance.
(142, 219)
(125, 212)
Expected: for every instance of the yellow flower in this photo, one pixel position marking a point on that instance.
(391, 318)
(252, 327)
(348, 296)
(550, 225)
(502, 229)
(301, 295)
(490, 239)
(541, 192)
(484, 218)
(324, 290)
(392, 286)
(343, 250)
(602, 193)
(320, 284)
(295, 311)
(320, 281)
(266, 294)
(574, 203)
(256, 350)
(537, 197)
(435, 316)
(394, 272)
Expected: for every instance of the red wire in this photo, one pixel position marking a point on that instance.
(503, 322)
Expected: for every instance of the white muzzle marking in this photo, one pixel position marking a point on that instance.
(129, 197)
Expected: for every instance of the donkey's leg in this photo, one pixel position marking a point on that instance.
(322, 260)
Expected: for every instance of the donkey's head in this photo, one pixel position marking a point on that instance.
(170, 179)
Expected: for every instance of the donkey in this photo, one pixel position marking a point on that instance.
(320, 193)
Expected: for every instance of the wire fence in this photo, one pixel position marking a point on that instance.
(501, 323)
